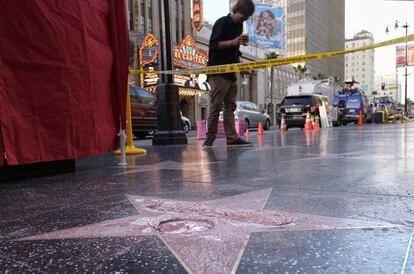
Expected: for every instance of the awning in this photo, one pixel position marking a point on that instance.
(192, 92)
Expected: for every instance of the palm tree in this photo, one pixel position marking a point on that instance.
(301, 70)
(271, 55)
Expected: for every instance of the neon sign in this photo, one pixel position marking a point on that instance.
(187, 55)
(198, 15)
(148, 52)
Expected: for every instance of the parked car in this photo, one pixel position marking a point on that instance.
(295, 109)
(143, 111)
(186, 123)
(251, 115)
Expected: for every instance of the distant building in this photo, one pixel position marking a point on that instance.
(387, 85)
(360, 66)
(314, 26)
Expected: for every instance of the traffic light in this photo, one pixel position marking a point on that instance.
(382, 86)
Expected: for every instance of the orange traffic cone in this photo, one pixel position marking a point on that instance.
(361, 117)
(308, 123)
(260, 130)
(315, 123)
(283, 126)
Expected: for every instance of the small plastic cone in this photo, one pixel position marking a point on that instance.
(308, 123)
(283, 127)
(260, 129)
(201, 130)
(361, 118)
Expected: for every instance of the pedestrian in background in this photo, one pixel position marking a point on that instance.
(225, 42)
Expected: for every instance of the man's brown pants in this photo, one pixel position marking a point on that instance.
(222, 91)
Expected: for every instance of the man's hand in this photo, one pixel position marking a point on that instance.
(241, 40)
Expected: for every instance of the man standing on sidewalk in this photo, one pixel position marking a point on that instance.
(224, 47)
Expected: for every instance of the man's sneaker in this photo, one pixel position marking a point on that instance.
(239, 143)
(208, 143)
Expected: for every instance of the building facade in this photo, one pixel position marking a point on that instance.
(387, 85)
(144, 17)
(315, 26)
(360, 66)
(254, 86)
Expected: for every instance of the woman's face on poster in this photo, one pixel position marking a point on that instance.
(268, 19)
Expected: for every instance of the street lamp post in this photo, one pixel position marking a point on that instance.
(397, 25)
(169, 125)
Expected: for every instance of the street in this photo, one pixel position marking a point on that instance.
(329, 201)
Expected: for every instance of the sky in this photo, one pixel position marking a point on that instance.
(371, 15)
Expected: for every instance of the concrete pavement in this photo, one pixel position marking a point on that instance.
(332, 201)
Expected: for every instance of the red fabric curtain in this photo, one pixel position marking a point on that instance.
(63, 78)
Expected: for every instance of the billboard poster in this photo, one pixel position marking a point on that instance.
(266, 26)
(401, 56)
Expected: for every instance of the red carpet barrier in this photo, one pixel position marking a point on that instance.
(63, 78)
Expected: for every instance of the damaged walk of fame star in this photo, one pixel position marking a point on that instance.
(206, 237)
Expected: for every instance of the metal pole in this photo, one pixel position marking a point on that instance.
(406, 70)
(169, 125)
(272, 87)
(167, 37)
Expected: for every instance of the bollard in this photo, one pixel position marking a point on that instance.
(201, 129)
(240, 127)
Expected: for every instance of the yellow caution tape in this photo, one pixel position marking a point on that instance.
(254, 65)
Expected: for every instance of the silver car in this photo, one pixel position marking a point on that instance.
(186, 123)
(251, 115)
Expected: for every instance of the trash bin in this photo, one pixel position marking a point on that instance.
(379, 117)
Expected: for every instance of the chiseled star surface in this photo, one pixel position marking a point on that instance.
(206, 237)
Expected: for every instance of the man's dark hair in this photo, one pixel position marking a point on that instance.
(244, 6)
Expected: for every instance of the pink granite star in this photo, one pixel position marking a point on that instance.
(206, 237)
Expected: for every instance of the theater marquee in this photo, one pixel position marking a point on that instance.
(187, 55)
